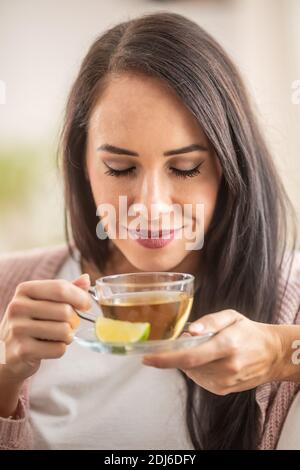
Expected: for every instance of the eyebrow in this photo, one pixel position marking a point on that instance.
(122, 151)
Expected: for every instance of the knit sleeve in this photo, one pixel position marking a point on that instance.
(16, 267)
(274, 399)
(26, 265)
(16, 434)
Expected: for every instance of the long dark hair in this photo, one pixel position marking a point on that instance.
(247, 237)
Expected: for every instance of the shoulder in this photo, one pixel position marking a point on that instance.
(20, 266)
(29, 260)
(289, 289)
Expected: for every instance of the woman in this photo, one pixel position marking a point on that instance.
(158, 113)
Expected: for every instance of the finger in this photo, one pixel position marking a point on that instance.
(195, 356)
(74, 321)
(214, 322)
(43, 310)
(82, 281)
(48, 330)
(36, 350)
(58, 290)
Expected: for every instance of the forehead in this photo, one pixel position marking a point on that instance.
(135, 102)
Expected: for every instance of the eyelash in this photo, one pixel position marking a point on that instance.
(179, 173)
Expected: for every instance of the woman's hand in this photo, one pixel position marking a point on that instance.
(38, 324)
(242, 355)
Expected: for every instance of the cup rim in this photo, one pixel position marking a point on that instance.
(188, 278)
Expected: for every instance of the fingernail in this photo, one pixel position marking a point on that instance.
(196, 328)
(71, 335)
(147, 362)
(85, 277)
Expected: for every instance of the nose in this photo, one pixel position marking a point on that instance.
(155, 196)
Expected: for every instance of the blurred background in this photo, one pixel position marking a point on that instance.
(42, 43)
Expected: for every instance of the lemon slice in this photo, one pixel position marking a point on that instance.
(109, 330)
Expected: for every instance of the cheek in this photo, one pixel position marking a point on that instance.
(103, 191)
(103, 188)
(207, 196)
(106, 197)
(210, 203)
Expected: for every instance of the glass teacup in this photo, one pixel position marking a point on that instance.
(159, 301)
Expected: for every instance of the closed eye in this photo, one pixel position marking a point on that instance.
(179, 173)
(113, 172)
(187, 173)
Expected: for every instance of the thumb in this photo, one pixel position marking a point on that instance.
(82, 281)
(214, 322)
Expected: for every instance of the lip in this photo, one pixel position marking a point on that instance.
(163, 237)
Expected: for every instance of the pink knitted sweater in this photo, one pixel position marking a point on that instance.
(273, 399)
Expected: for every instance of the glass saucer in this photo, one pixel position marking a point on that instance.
(86, 337)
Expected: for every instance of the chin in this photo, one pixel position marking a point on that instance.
(158, 262)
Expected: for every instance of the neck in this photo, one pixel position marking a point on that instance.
(118, 264)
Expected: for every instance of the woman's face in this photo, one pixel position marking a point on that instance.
(140, 114)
